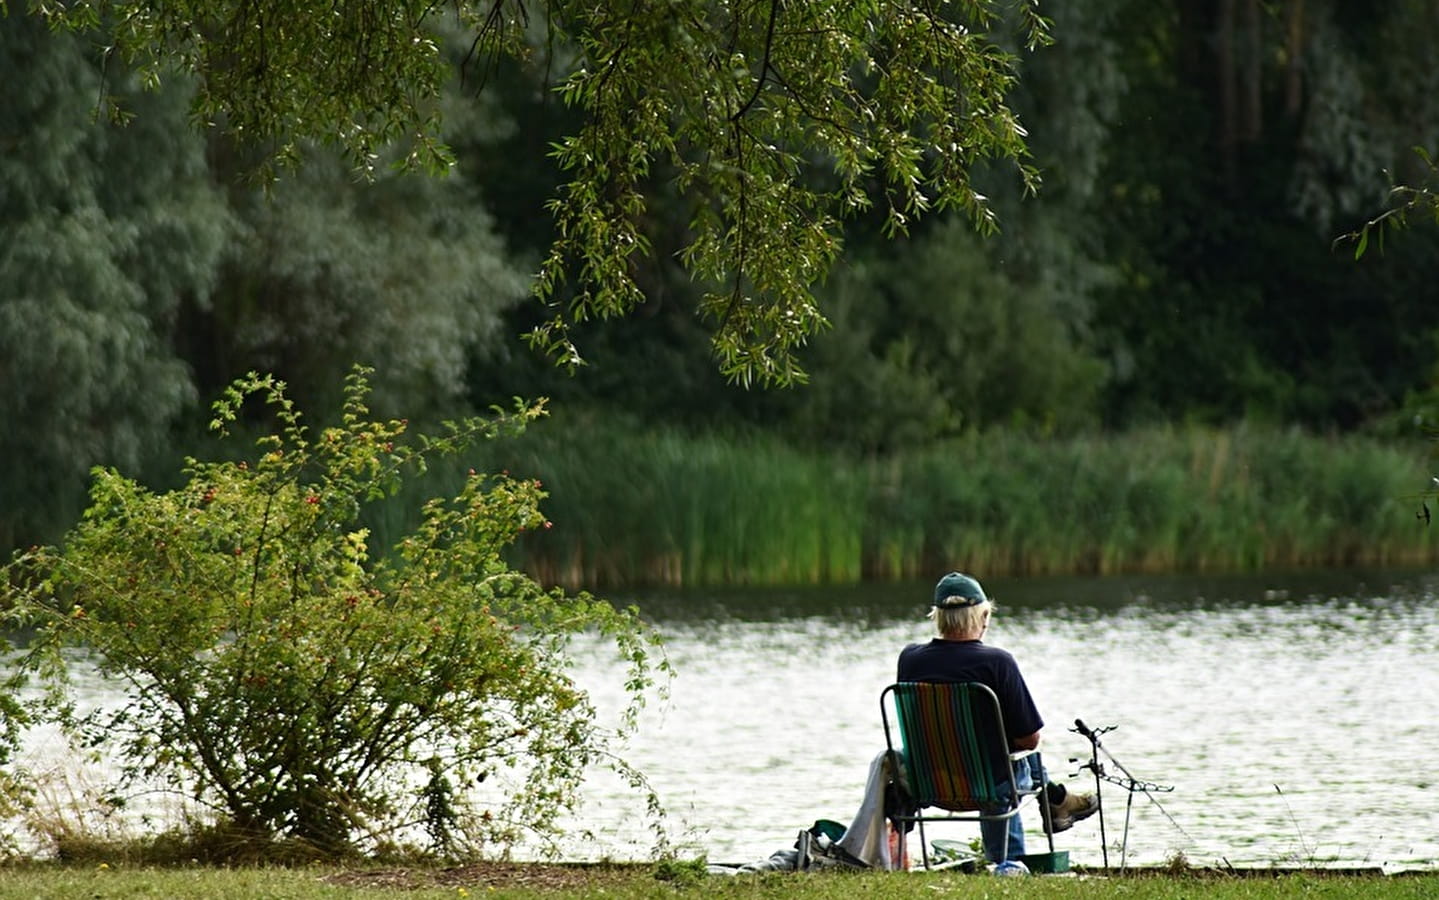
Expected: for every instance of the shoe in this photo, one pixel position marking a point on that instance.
(1074, 807)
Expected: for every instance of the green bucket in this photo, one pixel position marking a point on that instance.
(1047, 863)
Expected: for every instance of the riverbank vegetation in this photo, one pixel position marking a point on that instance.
(293, 687)
(673, 509)
(1088, 387)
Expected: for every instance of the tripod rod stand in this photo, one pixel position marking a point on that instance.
(1128, 782)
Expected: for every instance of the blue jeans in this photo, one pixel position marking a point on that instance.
(994, 834)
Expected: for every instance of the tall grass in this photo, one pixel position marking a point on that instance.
(665, 508)
(660, 507)
(1162, 499)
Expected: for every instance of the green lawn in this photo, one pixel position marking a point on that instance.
(33, 881)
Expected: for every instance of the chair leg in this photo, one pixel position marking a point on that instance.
(923, 845)
(1045, 816)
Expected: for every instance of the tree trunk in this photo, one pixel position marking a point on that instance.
(1227, 129)
(1252, 118)
(1294, 59)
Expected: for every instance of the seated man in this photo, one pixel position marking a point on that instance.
(961, 614)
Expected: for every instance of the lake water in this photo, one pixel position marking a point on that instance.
(1293, 715)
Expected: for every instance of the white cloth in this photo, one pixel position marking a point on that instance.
(867, 837)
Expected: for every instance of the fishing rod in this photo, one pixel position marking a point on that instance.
(1130, 784)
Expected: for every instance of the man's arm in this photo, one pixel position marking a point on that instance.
(1028, 742)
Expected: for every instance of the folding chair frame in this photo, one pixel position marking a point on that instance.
(949, 756)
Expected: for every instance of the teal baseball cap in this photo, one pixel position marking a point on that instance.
(958, 589)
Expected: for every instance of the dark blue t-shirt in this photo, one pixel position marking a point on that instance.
(953, 661)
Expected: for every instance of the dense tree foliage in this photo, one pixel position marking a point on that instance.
(141, 269)
(406, 274)
(776, 120)
(104, 232)
(1266, 130)
(1199, 160)
(1181, 252)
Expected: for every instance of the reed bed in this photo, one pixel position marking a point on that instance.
(665, 508)
(635, 507)
(1158, 500)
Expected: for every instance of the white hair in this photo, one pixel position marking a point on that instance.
(966, 622)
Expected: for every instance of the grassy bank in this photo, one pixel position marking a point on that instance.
(641, 882)
(664, 508)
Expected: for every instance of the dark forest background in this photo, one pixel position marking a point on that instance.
(1182, 264)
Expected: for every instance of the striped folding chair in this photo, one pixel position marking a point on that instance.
(956, 757)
